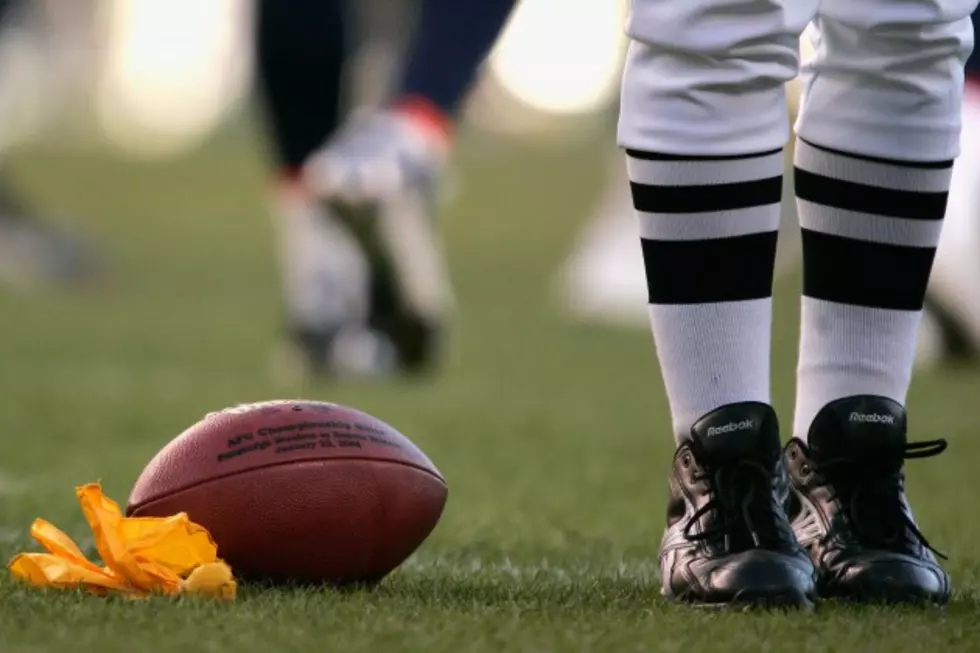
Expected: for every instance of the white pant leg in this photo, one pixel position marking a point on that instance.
(706, 77)
(887, 77)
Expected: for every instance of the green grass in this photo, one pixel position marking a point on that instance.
(553, 436)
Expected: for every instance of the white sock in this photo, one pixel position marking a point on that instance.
(870, 229)
(708, 227)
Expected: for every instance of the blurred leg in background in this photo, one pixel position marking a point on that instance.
(602, 280)
(951, 320)
(302, 51)
(379, 178)
(36, 251)
(318, 62)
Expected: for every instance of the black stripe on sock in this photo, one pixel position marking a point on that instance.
(862, 273)
(715, 270)
(663, 156)
(850, 196)
(707, 198)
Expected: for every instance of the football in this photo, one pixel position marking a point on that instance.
(298, 491)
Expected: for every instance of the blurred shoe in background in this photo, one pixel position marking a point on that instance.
(326, 286)
(36, 252)
(379, 178)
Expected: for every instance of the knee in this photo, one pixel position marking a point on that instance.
(681, 103)
(924, 40)
(888, 83)
(700, 81)
(709, 46)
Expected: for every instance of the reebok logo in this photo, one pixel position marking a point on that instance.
(730, 427)
(871, 418)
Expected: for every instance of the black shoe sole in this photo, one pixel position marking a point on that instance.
(758, 600)
(884, 592)
(890, 599)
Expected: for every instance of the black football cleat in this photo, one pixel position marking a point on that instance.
(849, 510)
(347, 313)
(410, 291)
(728, 541)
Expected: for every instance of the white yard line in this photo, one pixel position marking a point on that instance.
(640, 571)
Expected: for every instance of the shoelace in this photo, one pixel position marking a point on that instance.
(875, 506)
(735, 490)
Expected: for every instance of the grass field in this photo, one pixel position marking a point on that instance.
(552, 436)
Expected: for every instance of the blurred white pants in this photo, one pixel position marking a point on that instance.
(706, 77)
